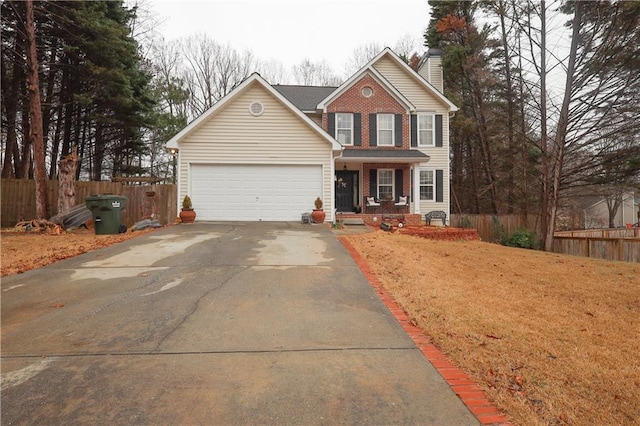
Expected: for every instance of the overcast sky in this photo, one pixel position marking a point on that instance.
(290, 31)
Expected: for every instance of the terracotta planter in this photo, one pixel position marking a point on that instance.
(318, 215)
(187, 215)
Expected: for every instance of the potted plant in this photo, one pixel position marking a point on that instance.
(318, 215)
(187, 214)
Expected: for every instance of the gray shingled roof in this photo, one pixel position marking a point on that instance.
(305, 98)
(384, 155)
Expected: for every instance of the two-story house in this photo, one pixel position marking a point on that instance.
(266, 152)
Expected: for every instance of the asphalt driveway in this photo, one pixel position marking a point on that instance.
(213, 323)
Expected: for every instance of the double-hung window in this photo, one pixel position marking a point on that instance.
(385, 183)
(426, 130)
(385, 130)
(427, 185)
(344, 128)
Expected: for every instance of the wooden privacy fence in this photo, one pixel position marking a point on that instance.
(18, 203)
(610, 244)
(494, 228)
(623, 249)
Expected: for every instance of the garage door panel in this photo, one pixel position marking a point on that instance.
(254, 192)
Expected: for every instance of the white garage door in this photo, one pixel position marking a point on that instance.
(254, 192)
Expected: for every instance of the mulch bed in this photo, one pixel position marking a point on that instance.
(438, 233)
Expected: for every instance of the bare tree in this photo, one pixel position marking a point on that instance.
(361, 56)
(212, 70)
(273, 71)
(315, 74)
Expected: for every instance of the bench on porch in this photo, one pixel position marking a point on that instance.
(436, 214)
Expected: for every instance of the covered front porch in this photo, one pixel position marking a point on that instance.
(372, 183)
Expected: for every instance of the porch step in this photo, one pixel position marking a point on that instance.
(352, 221)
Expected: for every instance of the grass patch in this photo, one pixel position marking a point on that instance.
(552, 339)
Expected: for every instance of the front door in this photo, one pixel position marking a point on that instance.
(346, 190)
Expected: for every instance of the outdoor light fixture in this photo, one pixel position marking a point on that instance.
(344, 167)
(173, 152)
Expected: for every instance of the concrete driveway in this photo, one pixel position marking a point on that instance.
(213, 323)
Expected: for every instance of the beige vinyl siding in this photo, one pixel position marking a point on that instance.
(424, 101)
(408, 86)
(432, 72)
(233, 136)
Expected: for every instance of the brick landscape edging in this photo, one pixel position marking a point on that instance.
(461, 384)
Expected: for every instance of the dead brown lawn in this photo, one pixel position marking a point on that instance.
(22, 251)
(552, 339)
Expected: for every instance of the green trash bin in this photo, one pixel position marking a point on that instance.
(107, 213)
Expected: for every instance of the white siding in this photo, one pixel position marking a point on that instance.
(408, 86)
(427, 102)
(234, 136)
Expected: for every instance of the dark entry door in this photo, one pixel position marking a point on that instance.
(346, 190)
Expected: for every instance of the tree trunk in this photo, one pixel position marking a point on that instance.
(35, 113)
(561, 132)
(544, 154)
(10, 90)
(67, 182)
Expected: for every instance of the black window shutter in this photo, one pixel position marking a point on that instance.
(331, 122)
(357, 129)
(398, 129)
(414, 131)
(439, 186)
(373, 130)
(399, 183)
(438, 129)
(373, 182)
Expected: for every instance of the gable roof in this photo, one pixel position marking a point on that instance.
(254, 78)
(395, 58)
(305, 98)
(379, 78)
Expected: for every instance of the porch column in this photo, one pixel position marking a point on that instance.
(416, 188)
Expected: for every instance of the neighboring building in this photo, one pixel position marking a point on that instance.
(596, 214)
(266, 152)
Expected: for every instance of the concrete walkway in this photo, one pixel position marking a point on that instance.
(252, 323)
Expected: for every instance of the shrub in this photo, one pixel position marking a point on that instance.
(522, 238)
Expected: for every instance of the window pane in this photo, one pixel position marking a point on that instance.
(343, 121)
(427, 185)
(385, 177)
(344, 137)
(426, 177)
(385, 191)
(426, 137)
(385, 137)
(425, 122)
(385, 129)
(426, 192)
(385, 121)
(343, 128)
(425, 130)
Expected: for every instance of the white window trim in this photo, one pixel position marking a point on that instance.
(393, 130)
(433, 129)
(393, 182)
(433, 174)
(344, 128)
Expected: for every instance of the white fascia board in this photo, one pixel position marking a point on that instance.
(174, 142)
(417, 77)
(379, 78)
